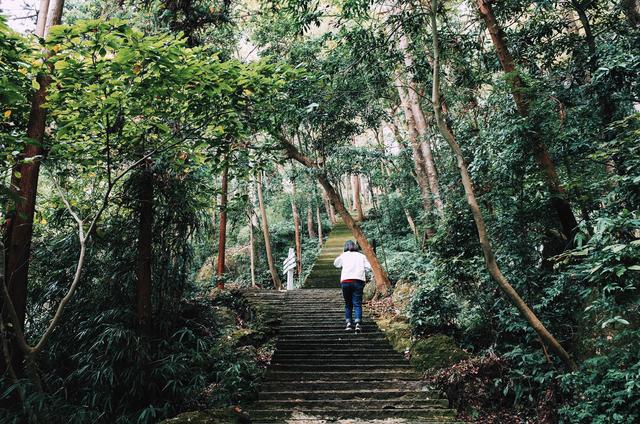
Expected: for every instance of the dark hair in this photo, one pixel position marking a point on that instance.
(350, 246)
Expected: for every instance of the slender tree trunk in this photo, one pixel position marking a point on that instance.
(310, 230)
(381, 278)
(265, 232)
(357, 201)
(319, 219)
(418, 158)
(329, 207)
(252, 249)
(20, 227)
(222, 239)
(559, 199)
(490, 260)
(421, 125)
(144, 269)
(296, 228)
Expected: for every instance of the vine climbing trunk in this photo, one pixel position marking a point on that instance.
(222, 239)
(19, 230)
(547, 338)
(144, 267)
(381, 279)
(559, 199)
(265, 232)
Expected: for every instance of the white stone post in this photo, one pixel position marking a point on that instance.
(289, 265)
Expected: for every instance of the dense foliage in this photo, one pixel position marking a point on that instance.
(172, 120)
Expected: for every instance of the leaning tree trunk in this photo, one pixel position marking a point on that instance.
(558, 193)
(144, 268)
(381, 278)
(489, 258)
(222, 239)
(265, 232)
(20, 230)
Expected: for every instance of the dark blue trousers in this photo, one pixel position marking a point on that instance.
(352, 293)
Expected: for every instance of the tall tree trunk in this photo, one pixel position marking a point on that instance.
(310, 230)
(381, 278)
(144, 268)
(19, 230)
(252, 249)
(559, 200)
(357, 201)
(421, 124)
(319, 219)
(489, 258)
(296, 229)
(328, 207)
(418, 158)
(222, 240)
(265, 232)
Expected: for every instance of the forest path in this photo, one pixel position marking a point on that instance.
(321, 373)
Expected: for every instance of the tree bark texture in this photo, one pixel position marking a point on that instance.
(310, 230)
(265, 232)
(252, 249)
(319, 219)
(547, 338)
(381, 278)
(357, 201)
(559, 200)
(222, 239)
(20, 225)
(144, 267)
(421, 174)
(296, 228)
(421, 124)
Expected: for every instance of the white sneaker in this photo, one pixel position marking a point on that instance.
(358, 329)
(349, 326)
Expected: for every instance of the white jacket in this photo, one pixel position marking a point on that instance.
(353, 265)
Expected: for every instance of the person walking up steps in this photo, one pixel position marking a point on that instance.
(352, 279)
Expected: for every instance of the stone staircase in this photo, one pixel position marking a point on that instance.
(321, 373)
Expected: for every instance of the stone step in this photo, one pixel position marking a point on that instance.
(368, 375)
(337, 356)
(306, 420)
(425, 414)
(330, 326)
(346, 336)
(324, 385)
(364, 393)
(370, 361)
(352, 350)
(340, 404)
(355, 367)
(311, 345)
